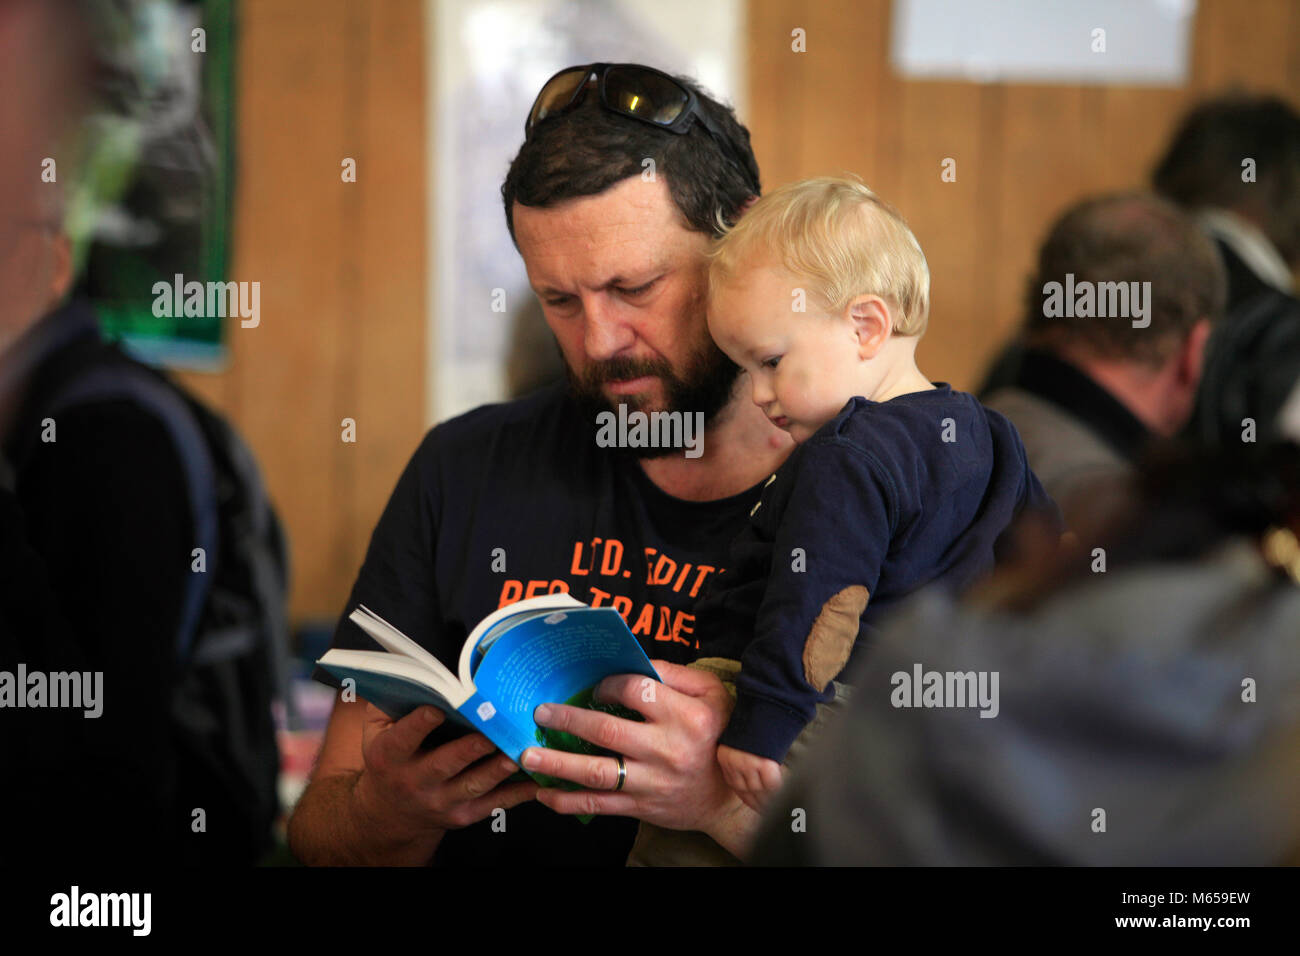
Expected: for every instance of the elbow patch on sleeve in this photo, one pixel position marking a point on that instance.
(830, 642)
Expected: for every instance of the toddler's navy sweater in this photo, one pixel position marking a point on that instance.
(887, 496)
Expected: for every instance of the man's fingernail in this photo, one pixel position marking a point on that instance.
(542, 713)
(531, 759)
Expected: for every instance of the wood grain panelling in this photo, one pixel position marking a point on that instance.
(1132, 132)
(776, 91)
(341, 267)
(941, 121)
(390, 352)
(1293, 62)
(1243, 43)
(1042, 170)
(342, 264)
(1024, 151)
(845, 74)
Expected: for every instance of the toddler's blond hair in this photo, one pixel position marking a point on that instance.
(841, 237)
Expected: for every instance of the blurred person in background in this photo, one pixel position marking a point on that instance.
(534, 360)
(1093, 391)
(1234, 163)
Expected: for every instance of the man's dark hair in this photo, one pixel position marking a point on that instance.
(1203, 165)
(1128, 237)
(587, 150)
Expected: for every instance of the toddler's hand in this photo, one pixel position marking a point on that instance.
(753, 778)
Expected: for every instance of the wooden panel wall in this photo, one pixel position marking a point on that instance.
(1023, 152)
(341, 266)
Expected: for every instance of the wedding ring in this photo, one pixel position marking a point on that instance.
(622, 773)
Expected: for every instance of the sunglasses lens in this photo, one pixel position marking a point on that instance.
(557, 94)
(647, 96)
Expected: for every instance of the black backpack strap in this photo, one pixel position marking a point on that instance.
(124, 381)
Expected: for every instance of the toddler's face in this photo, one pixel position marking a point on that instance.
(802, 366)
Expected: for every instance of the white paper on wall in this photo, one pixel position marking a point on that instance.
(1132, 42)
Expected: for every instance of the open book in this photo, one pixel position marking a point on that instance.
(548, 649)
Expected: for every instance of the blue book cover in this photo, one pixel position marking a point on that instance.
(550, 649)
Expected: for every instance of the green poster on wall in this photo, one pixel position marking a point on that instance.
(154, 204)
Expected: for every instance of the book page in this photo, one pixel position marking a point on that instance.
(391, 639)
(393, 683)
(485, 626)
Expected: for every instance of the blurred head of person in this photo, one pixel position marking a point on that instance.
(46, 68)
(613, 218)
(1130, 247)
(35, 260)
(1205, 165)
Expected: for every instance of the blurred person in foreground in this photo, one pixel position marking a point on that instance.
(43, 52)
(108, 483)
(1148, 695)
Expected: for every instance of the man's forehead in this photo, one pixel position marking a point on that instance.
(556, 266)
(622, 233)
(632, 198)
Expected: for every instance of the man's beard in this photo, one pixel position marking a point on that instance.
(706, 385)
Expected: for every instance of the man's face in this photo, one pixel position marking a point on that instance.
(622, 284)
(37, 55)
(34, 261)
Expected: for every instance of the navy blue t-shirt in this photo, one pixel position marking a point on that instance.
(883, 499)
(515, 500)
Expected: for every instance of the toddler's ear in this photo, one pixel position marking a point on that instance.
(872, 321)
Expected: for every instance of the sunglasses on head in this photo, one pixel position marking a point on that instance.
(638, 92)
